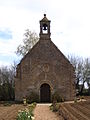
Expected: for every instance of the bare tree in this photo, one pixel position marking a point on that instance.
(82, 71)
(30, 39)
(86, 74)
(77, 62)
(7, 82)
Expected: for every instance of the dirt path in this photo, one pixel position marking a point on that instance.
(42, 112)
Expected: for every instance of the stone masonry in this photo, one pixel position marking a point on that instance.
(45, 63)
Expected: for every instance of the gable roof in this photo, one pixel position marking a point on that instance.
(41, 44)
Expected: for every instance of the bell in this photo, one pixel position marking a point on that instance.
(44, 27)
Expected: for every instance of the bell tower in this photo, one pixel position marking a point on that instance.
(45, 28)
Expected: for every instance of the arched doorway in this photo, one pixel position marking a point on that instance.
(45, 93)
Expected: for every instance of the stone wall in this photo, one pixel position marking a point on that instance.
(44, 63)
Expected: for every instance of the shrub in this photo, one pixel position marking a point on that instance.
(23, 115)
(27, 113)
(56, 97)
(24, 101)
(33, 97)
(7, 104)
(51, 107)
(75, 100)
(34, 104)
(55, 107)
(82, 97)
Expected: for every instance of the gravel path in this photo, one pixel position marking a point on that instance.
(43, 112)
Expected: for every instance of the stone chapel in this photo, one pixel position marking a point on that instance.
(44, 70)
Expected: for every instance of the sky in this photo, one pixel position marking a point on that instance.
(70, 25)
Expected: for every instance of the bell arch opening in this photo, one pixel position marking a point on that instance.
(45, 93)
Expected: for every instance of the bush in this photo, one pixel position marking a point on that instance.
(27, 113)
(33, 97)
(55, 107)
(23, 115)
(7, 92)
(34, 104)
(75, 100)
(7, 104)
(56, 97)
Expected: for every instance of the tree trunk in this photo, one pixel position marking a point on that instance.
(81, 91)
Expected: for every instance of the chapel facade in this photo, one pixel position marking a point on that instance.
(44, 70)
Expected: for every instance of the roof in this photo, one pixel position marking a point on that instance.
(45, 19)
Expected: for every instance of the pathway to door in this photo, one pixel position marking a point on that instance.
(43, 112)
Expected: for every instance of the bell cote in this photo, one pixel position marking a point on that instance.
(45, 28)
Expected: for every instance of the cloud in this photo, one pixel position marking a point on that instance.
(70, 24)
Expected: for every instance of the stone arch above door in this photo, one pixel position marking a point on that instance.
(47, 82)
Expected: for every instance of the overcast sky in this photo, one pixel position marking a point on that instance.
(70, 25)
